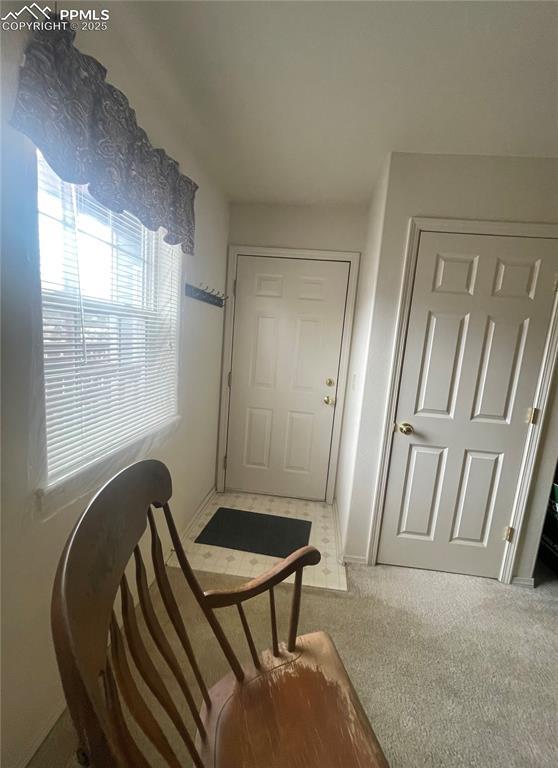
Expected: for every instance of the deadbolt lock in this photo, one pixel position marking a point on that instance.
(329, 400)
(330, 382)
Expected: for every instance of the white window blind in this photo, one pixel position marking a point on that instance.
(110, 292)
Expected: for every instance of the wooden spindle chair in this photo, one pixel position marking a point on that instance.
(292, 707)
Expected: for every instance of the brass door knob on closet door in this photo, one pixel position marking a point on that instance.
(329, 400)
(406, 429)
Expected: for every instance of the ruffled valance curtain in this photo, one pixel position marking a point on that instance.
(88, 133)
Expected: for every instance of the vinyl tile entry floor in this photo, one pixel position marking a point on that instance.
(328, 574)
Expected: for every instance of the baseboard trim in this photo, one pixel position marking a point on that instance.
(337, 532)
(527, 582)
(199, 509)
(357, 559)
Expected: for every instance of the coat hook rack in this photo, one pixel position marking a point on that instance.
(206, 294)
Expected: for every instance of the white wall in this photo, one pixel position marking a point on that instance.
(359, 353)
(323, 227)
(31, 693)
(474, 187)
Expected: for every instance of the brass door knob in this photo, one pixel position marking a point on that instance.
(329, 400)
(406, 429)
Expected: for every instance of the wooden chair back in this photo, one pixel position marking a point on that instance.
(94, 653)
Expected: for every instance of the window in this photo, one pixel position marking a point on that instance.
(110, 292)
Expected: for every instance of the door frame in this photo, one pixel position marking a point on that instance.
(417, 225)
(353, 258)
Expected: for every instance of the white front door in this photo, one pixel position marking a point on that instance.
(288, 326)
(479, 319)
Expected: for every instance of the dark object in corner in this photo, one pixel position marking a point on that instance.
(548, 551)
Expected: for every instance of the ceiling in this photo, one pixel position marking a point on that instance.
(299, 102)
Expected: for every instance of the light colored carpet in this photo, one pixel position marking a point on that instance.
(453, 671)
